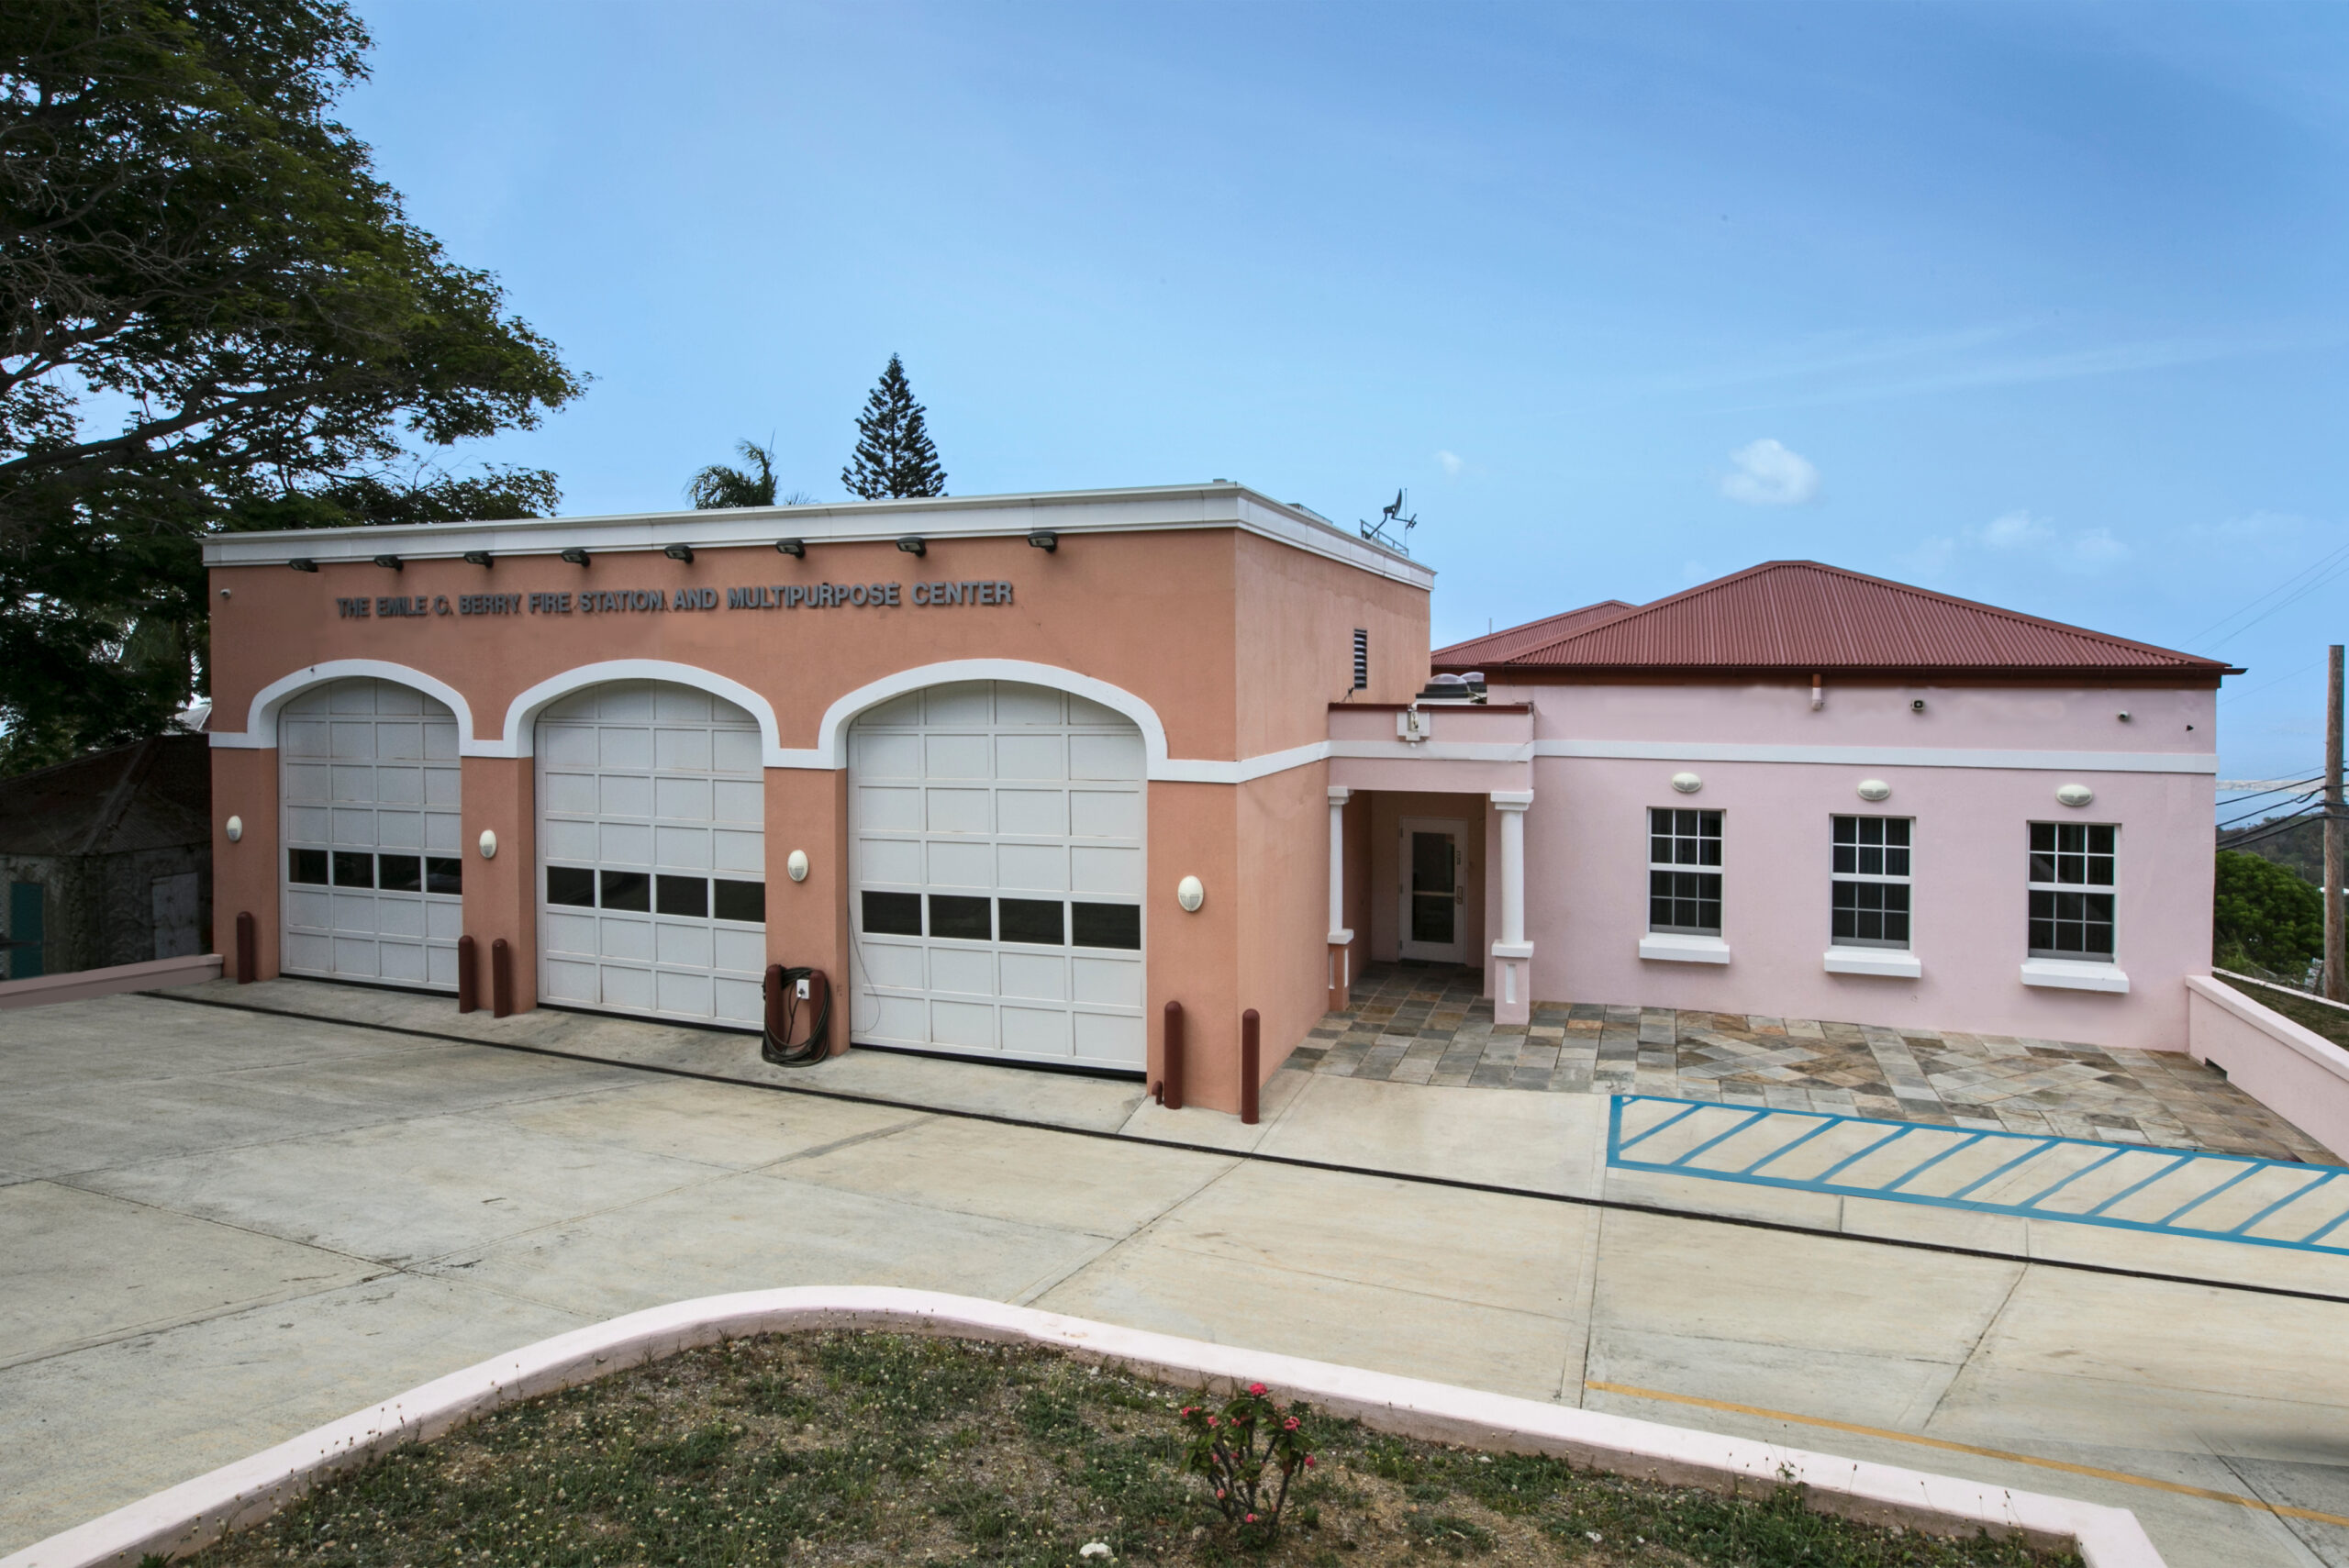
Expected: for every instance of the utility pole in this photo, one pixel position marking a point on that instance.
(2337, 956)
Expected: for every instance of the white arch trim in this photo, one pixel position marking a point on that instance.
(830, 750)
(522, 715)
(261, 719)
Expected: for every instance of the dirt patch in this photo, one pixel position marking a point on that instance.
(868, 1449)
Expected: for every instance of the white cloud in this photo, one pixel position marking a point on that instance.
(2014, 531)
(1770, 476)
(1453, 463)
(2097, 548)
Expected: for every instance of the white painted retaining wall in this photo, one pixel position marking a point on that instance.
(188, 1516)
(2294, 1072)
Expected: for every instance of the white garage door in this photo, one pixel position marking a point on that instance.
(369, 781)
(998, 862)
(651, 855)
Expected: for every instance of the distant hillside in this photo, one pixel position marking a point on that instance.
(2300, 847)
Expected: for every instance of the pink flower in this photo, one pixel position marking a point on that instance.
(1218, 1491)
(1251, 1519)
(1213, 1422)
(1189, 1409)
(1309, 1462)
(1256, 1388)
(1290, 1425)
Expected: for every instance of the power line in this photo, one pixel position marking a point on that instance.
(2270, 806)
(2281, 587)
(2261, 835)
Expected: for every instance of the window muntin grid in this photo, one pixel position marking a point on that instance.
(1870, 899)
(2070, 862)
(1682, 898)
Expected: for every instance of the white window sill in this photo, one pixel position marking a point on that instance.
(2074, 974)
(1898, 963)
(1675, 949)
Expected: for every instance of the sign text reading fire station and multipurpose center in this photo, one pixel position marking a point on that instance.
(616, 601)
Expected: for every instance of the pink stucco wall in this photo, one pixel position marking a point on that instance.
(1587, 864)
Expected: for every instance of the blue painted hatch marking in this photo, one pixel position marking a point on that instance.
(2126, 1186)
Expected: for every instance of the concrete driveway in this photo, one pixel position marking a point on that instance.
(219, 1227)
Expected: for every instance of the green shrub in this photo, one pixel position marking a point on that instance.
(2264, 913)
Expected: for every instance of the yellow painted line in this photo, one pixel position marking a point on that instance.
(2124, 1477)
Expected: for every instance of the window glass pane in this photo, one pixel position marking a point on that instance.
(352, 868)
(2042, 837)
(684, 895)
(747, 902)
(1847, 829)
(400, 873)
(1032, 920)
(1106, 926)
(892, 913)
(967, 919)
(628, 890)
(1895, 830)
(306, 866)
(444, 874)
(1896, 861)
(571, 886)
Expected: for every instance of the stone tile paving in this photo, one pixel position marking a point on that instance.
(1427, 1024)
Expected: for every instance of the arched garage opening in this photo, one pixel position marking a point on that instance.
(370, 825)
(997, 847)
(651, 853)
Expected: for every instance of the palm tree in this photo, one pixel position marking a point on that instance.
(722, 485)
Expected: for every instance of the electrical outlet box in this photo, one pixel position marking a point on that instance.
(803, 988)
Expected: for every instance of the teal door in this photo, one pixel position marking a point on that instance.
(24, 930)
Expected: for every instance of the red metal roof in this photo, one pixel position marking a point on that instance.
(1499, 646)
(1802, 616)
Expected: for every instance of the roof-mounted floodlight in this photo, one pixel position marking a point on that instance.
(577, 556)
(914, 544)
(1044, 538)
(478, 557)
(392, 561)
(684, 552)
(795, 548)
(302, 563)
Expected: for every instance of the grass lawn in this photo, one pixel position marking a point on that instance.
(2315, 1017)
(857, 1448)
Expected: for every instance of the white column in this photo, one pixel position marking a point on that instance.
(1512, 954)
(1338, 798)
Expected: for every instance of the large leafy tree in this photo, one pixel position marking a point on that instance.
(217, 317)
(893, 456)
(2265, 915)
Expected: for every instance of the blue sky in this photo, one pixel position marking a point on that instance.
(2039, 304)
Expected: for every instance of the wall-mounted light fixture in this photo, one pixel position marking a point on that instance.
(1044, 540)
(2076, 795)
(1875, 789)
(577, 556)
(796, 866)
(795, 548)
(236, 827)
(478, 557)
(392, 562)
(1687, 784)
(684, 552)
(1190, 893)
(489, 843)
(302, 563)
(914, 544)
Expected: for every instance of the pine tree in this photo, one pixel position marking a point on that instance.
(893, 456)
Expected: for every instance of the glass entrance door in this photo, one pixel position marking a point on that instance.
(1434, 893)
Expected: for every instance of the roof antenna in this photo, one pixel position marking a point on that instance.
(1388, 515)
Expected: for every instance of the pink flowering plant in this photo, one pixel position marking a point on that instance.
(1247, 1451)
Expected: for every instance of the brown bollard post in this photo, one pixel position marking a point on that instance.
(501, 979)
(468, 982)
(247, 950)
(1171, 1085)
(1250, 1025)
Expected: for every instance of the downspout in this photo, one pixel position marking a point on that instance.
(1818, 693)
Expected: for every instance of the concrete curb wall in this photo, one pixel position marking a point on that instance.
(82, 983)
(2293, 1071)
(193, 1514)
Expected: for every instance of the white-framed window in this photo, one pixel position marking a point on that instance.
(2072, 878)
(1870, 899)
(1683, 871)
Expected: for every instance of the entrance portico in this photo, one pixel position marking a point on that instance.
(1428, 802)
